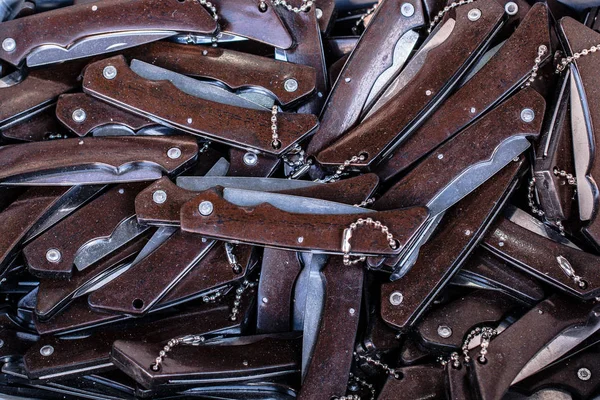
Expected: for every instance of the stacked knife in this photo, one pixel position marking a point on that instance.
(277, 199)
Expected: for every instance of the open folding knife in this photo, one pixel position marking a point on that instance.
(502, 75)
(104, 27)
(458, 40)
(585, 118)
(95, 160)
(242, 124)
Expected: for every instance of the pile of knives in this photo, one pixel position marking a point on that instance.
(315, 199)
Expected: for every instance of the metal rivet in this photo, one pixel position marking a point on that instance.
(428, 92)
(174, 153)
(347, 80)
(110, 72)
(53, 256)
(265, 300)
(473, 110)
(501, 244)
(527, 115)
(250, 159)
(204, 240)
(47, 350)
(468, 232)
(1, 343)
(319, 13)
(121, 191)
(396, 298)
(352, 311)
(511, 8)
(444, 331)
(79, 115)
(584, 374)
(80, 142)
(440, 156)
(204, 52)
(320, 94)
(245, 363)
(407, 9)
(474, 14)
(300, 239)
(94, 8)
(540, 312)
(516, 159)
(291, 85)
(189, 120)
(205, 208)
(9, 44)
(159, 197)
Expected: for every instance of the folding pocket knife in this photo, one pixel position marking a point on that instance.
(460, 38)
(247, 74)
(95, 160)
(377, 57)
(94, 29)
(558, 263)
(114, 81)
(218, 360)
(585, 117)
(405, 300)
(94, 231)
(501, 76)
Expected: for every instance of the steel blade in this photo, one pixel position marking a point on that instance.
(200, 183)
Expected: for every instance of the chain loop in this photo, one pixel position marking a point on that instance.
(487, 334)
(304, 7)
(275, 142)
(449, 7)
(362, 19)
(189, 340)
(335, 177)
(235, 310)
(565, 62)
(377, 363)
(542, 50)
(569, 271)
(348, 235)
(211, 8)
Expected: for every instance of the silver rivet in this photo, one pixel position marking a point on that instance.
(47, 350)
(245, 363)
(347, 80)
(352, 311)
(250, 159)
(79, 115)
(204, 240)
(501, 244)
(265, 300)
(319, 13)
(204, 52)
(468, 232)
(473, 110)
(320, 94)
(444, 331)
(159, 197)
(300, 239)
(428, 92)
(80, 142)
(540, 312)
(110, 72)
(511, 8)
(474, 14)
(516, 159)
(94, 8)
(174, 153)
(584, 374)
(205, 208)
(189, 120)
(9, 44)
(121, 191)
(407, 9)
(53, 256)
(396, 298)
(291, 85)
(440, 156)
(1, 343)
(527, 115)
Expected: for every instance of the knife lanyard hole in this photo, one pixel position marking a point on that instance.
(348, 232)
(138, 304)
(565, 62)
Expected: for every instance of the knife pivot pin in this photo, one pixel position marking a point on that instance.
(174, 153)
(444, 331)
(79, 115)
(527, 115)
(511, 8)
(474, 14)
(53, 255)
(584, 374)
(47, 350)
(291, 85)
(396, 298)
(407, 10)
(9, 45)
(159, 197)
(109, 72)
(205, 208)
(250, 159)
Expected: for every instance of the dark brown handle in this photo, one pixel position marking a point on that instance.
(476, 144)
(269, 226)
(500, 75)
(372, 55)
(238, 127)
(377, 133)
(235, 69)
(109, 16)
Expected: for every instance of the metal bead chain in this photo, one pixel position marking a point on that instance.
(299, 155)
(571, 179)
(569, 271)
(238, 298)
(366, 203)
(530, 195)
(348, 235)
(276, 143)
(565, 62)
(360, 382)
(377, 363)
(362, 19)
(232, 259)
(211, 7)
(190, 340)
(305, 7)
(542, 50)
(212, 298)
(487, 334)
(449, 7)
(341, 169)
